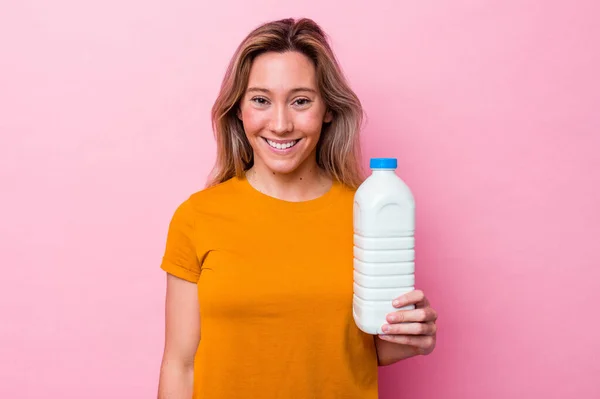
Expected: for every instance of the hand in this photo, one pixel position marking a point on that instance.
(413, 327)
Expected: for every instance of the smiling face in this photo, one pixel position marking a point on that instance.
(283, 112)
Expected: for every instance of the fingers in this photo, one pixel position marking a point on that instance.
(410, 329)
(424, 343)
(419, 315)
(415, 327)
(415, 297)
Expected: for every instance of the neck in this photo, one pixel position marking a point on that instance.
(305, 183)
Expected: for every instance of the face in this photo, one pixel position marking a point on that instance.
(282, 112)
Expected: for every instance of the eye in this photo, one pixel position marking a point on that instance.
(259, 100)
(302, 102)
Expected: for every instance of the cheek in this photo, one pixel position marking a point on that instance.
(310, 123)
(253, 121)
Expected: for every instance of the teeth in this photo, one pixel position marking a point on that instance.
(282, 146)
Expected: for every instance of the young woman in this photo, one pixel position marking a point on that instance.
(259, 263)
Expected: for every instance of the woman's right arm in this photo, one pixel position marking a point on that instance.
(182, 336)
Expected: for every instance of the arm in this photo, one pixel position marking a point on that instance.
(182, 336)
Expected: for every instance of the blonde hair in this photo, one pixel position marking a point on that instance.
(338, 149)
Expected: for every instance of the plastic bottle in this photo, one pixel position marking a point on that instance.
(384, 255)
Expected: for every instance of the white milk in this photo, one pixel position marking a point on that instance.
(384, 254)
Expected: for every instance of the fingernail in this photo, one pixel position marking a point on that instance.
(396, 303)
(385, 328)
(391, 318)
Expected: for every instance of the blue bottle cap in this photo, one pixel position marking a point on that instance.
(383, 163)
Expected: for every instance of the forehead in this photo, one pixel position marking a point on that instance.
(282, 71)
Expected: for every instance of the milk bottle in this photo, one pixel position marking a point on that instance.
(384, 255)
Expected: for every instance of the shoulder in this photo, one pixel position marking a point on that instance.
(346, 192)
(219, 196)
(339, 198)
(217, 192)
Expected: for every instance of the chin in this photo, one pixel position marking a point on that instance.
(282, 167)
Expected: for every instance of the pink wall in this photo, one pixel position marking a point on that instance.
(491, 107)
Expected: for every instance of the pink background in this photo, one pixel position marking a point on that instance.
(490, 106)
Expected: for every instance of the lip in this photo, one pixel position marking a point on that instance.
(279, 141)
(284, 151)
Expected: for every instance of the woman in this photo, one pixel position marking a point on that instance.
(261, 258)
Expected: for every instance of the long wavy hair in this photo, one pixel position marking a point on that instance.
(338, 149)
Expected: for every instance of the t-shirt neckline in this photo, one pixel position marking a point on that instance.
(295, 206)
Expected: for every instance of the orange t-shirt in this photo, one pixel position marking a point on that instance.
(275, 294)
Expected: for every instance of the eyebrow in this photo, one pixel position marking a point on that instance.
(294, 90)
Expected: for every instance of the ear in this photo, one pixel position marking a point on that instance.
(239, 113)
(328, 117)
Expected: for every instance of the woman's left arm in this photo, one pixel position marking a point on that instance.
(408, 332)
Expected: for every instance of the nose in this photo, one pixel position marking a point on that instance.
(281, 121)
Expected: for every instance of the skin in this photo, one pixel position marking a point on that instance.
(408, 332)
(182, 336)
(282, 103)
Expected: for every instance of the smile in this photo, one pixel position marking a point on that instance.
(281, 145)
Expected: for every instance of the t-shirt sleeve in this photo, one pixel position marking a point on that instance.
(180, 257)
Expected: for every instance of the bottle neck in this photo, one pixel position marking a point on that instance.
(382, 171)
